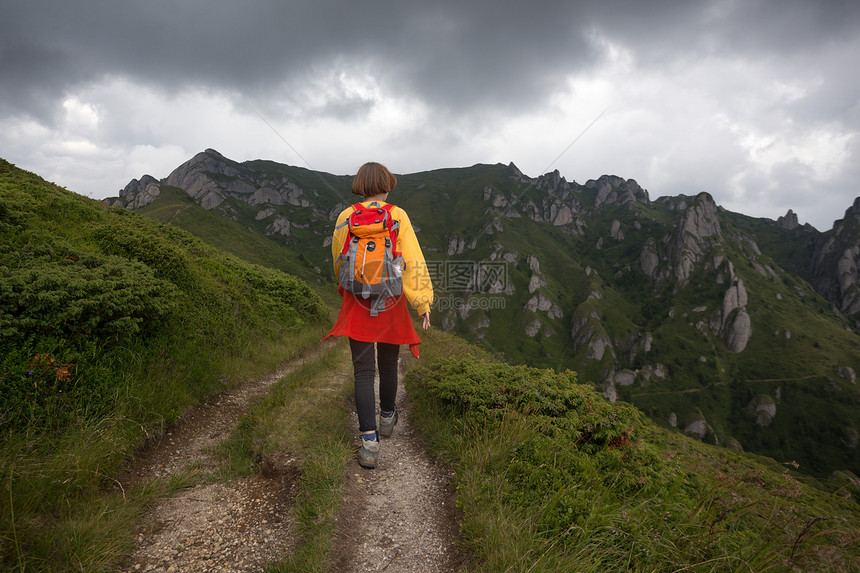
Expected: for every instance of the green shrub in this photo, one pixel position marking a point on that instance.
(154, 245)
(79, 296)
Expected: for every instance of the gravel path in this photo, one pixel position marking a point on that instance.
(399, 517)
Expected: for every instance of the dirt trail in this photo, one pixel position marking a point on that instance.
(235, 526)
(398, 517)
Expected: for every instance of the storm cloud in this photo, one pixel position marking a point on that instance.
(756, 102)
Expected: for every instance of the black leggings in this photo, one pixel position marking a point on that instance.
(364, 364)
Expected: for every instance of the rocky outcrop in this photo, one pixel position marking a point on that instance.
(210, 178)
(265, 214)
(614, 190)
(834, 268)
(588, 333)
(556, 204)
(698, 231)
(136, 186)
(731, 320)
(137, 194)
(280, 226)
(195, 178)
(789, 221)
(697, 428)
(625, 377)
(266, 195)
(615, 230)
(532, 328)
(293, 194)
(456, 245)
(738, 332)
(536, 279)
(649, 259)
(539, 301)
(848, 373)
(494, 197)
(763, 409)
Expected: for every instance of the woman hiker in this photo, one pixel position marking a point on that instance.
(380, 321)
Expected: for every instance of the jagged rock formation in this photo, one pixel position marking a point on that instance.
(615, 190)
(835, 264)
(556, 205)
(788, 222)
(195, 177)
(210, 178)
(137, 194)
(696, 234)
(732, 320)
(539, 301)
(587, 331)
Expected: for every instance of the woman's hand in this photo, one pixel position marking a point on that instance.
(426, 320)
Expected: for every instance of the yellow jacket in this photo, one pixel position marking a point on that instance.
(417, 285)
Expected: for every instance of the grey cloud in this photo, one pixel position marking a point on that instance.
(471, 64)
(464, 57)
(451, 54)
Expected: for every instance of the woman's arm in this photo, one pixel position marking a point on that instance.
(417, 285)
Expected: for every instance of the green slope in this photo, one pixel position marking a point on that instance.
(111, 325)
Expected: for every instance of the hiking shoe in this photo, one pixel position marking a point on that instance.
(386, 424)
(368, 453)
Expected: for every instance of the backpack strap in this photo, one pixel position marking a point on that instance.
(346, 222)
(393, 229)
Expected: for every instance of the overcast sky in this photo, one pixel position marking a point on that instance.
(755, 101)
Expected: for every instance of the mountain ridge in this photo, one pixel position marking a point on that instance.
(733, 329)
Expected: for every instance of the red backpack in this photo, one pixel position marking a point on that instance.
(371, 267)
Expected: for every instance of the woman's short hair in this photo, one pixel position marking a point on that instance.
(372, 179)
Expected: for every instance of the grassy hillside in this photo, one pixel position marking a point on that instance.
(175, 207)
(111, 325)
(551, 477)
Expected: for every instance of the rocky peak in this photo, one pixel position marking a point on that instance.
(195, 177)
(853, 212)
(552, 180)
(612, 189)
(697, 232)
(835, 264)
(136, 186)
(788, 222)
(700, 220)
(209, 161)
(516, 170)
